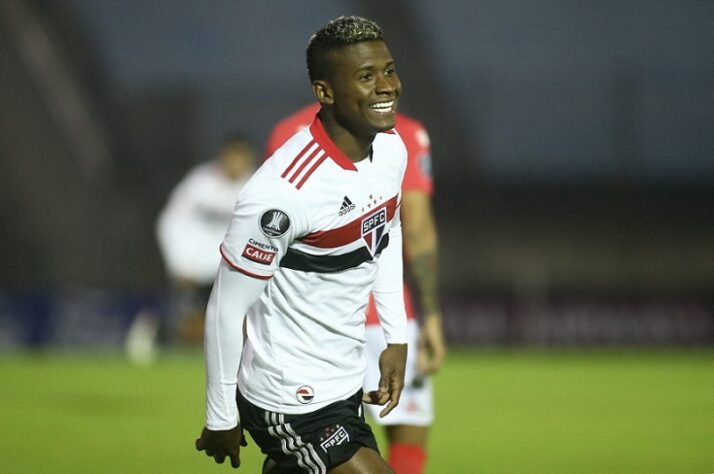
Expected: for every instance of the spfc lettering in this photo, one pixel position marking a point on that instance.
(258, 255)
(373, 229)
(338, 437)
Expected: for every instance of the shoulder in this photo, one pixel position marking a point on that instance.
(413, 133)
(198, 178)
(288, 126)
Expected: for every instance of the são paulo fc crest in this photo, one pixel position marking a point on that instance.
(373, 229)
(274, 223)
(305, 394)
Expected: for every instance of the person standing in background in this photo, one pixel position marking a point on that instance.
(189, 230)
(408, 425)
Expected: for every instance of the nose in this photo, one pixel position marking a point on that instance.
(387, 84)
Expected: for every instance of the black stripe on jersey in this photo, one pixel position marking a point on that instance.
(305, 262)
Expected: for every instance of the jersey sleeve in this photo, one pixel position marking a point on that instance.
(388, 288)
(232, 294)
(418, 172)
(268, 217)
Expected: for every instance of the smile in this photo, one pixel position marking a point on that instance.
(383, 107)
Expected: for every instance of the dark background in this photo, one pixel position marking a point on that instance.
(573, 150)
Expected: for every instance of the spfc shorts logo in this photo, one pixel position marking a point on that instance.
(373, 229)
(274, 223)
(305, 394)
(338, 436)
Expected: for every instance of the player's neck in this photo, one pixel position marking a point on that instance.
(355, 147)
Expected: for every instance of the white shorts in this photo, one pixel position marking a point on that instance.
(415, 405)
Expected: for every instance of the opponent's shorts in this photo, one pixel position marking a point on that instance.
(416, 402)
(312, 442)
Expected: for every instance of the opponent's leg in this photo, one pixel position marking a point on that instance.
(407, 448)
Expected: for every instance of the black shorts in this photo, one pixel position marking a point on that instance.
(313, 442)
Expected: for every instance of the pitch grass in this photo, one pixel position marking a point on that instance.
(498, 411)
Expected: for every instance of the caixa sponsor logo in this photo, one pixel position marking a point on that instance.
(373, 229)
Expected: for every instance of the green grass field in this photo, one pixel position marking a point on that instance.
(498, 411)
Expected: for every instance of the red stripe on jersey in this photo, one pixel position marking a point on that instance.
(297, 158)
(244, 272)
(305, 162)
(311, 170)
(348, 233)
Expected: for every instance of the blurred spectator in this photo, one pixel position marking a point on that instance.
(190, 229)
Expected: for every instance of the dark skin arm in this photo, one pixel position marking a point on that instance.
(421, 251)
(222, 444)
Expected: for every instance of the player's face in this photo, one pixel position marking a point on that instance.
(365, 87)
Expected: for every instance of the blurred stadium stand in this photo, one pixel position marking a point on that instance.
(573, 148)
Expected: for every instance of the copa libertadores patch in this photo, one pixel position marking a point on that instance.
(274, 223)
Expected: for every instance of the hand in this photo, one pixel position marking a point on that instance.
(392, 364)
(220, 444)
(432, 348)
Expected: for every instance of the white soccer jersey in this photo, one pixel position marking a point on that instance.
(192, 224)
(315, 224)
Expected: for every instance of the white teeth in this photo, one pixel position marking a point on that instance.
(383, 106)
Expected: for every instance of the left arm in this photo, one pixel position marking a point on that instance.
(389, 298)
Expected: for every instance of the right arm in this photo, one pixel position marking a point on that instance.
(266, 219)
(232, 294)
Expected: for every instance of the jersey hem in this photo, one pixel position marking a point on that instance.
(298, 409)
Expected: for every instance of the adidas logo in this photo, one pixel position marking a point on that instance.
(347, 206)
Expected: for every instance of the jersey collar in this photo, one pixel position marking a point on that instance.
(320, 135)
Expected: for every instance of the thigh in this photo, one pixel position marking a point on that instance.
(364, 461)
(407, 434)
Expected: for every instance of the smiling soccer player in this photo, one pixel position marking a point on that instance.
(314, 232)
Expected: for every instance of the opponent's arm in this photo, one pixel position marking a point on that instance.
(388, 294)
(232, 294)
(421, 251)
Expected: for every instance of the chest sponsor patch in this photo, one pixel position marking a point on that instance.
(373, 229)
(258, 255)
(274, 223)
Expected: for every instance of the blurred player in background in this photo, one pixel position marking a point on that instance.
(408, 424)
(189, 230)
(315, 230)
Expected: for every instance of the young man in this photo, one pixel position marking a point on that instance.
(408, 425)
(302, 270)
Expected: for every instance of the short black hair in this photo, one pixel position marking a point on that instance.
(340, 32)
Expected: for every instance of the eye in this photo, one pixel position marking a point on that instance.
(367, 76)
(390, 71)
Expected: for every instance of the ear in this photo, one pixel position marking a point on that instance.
(323, 92)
